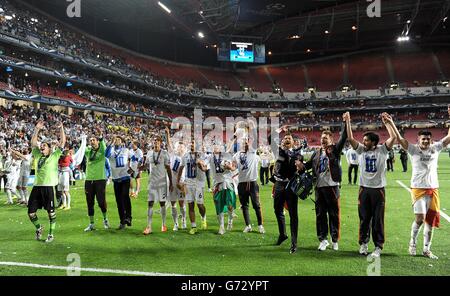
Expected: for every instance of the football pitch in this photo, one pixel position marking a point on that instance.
(128, 252)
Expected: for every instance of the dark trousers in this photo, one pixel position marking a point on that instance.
(352, 168)
(405, 165)
(371, 204)
(264, 175)
(122, 193)
(208, 178)
(95, 190)
(246, 191)
(281, 195)
(58, 196)
(390, 164)
(328, 213)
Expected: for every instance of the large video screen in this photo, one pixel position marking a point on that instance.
(241, 52)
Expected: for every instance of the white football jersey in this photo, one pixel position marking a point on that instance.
(324, 178)
(425, 165)
(219, 175)
(12, 167)
(247, 164)
(194, 176)
(157, 162)
(118, 160)
(175, 165)
(372, 166)
(206, 157)
(25, 166)
(352, 157)
(136, 158)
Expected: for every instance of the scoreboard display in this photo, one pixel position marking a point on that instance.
(241, 52)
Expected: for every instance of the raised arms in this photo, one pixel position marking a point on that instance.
(348, 126)
(62, 135)
(169, 141)
(344, 135)
(17, 154)
(389, 124)
(34, 140)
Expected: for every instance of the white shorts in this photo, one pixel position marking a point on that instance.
(12, 181)
(194, 193)
(422, 205)
(159, 194)
(64, 181)
(176, 194)
(23, 181)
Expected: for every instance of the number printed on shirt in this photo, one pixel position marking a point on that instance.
(371, 165)
(191, 170)
(120, 162)
(244, 163)
(176, 165)
(323, 164)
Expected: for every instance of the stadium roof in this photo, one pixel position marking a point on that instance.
(291, 29)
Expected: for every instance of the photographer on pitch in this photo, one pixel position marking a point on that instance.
(326, 167)
(285, 168)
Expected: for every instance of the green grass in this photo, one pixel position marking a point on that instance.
(234, 253)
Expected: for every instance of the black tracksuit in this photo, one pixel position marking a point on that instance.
(371, 205)
(250, 191)
(95, 190)
(390, 161)
(122, 194)
(404, 159)
(264, 175)
(284, 170)
(353, 168)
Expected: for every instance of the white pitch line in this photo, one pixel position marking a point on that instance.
(442, 213)
(99, 270)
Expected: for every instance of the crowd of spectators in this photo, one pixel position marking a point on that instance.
(17, 124)
(26, 24)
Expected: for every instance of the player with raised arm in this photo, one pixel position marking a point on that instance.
(64, 164)
(424, 185)
(119, 160)
(247, 162)
(325, 163)
(43, 195)
(12, 170)
(289, 163)
(193, 167)
(159, 182)
(224, 192)
(136, 161)
(372, 181)
(178, 193)
(95, 184)
(24, 174)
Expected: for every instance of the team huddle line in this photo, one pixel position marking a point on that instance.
(178, 175)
